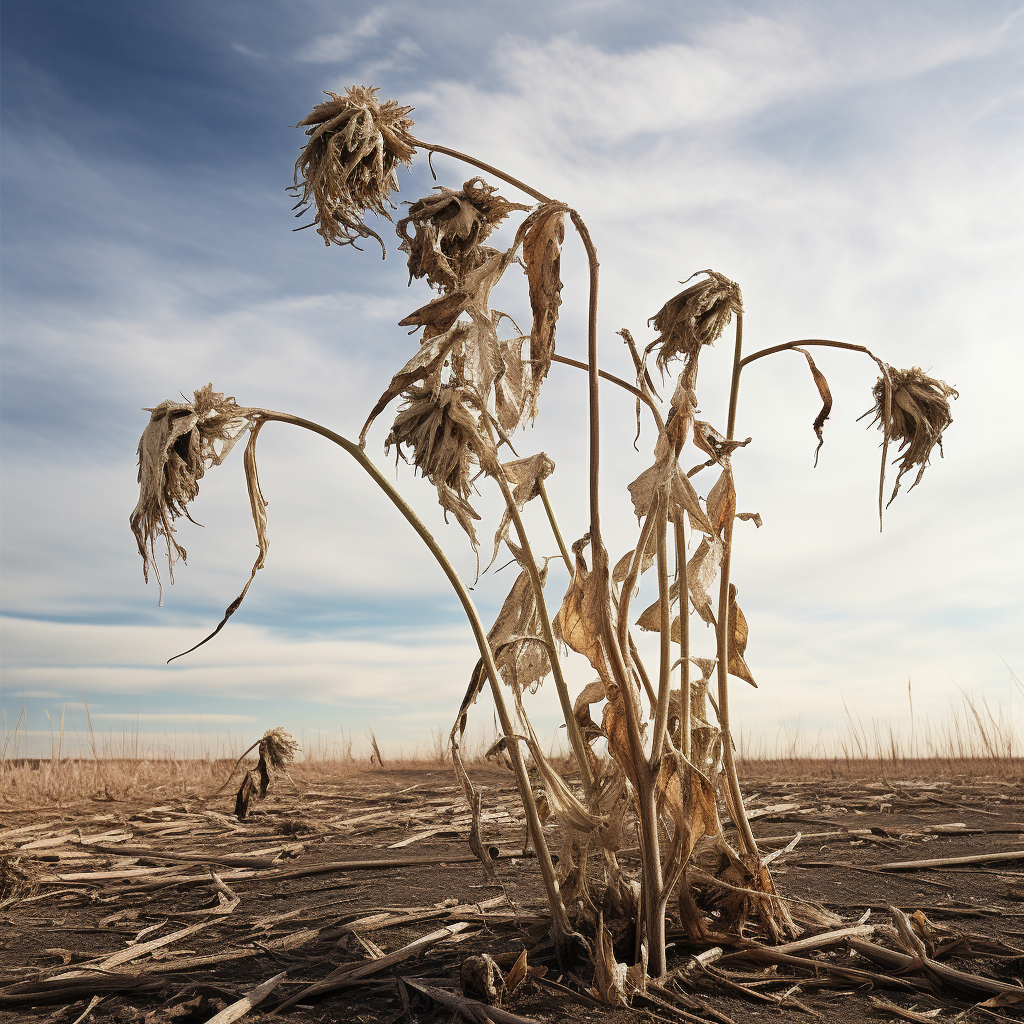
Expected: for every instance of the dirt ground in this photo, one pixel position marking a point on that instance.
(171, 911)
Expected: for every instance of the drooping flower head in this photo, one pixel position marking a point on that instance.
(695, 317)
(350, 164)
(918, 413)
(450, 227)
(447, 443)
(182, 440)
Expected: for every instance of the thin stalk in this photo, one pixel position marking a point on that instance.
(650, 855)
(612, 379)
(747, 841)
(489, 168)
(665, 665)
(566, 557)
(594, 393)
(576, 741)
(560, 924)
(684, 638)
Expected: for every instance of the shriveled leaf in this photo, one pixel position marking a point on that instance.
(709, 440)
(754, 517)
(520, 654)
(579, 620)
(701, 570)
(542, 233)
(721, 502)
(665, 476)
(511, 386)
(738, 639)
(826, 399)
(524, 477)
(427, 361)
(622, 566)
(590, 694)
(687, 799)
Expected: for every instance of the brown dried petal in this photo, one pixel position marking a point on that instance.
(447, 443)
(543, 233)
(349, 166)
(919, 414)
(695, 317)
(182, 440)
(450, 228)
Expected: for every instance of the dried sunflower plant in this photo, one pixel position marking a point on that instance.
(660, 764)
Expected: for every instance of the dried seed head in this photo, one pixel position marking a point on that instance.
(918, 414)
(450, 227)
(350, 164)
(278, 748)
(182, 440)
(442, 429)
(695, 317)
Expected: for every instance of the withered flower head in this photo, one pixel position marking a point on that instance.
(182, 440)
(278, 748)
(695, 317)
(450, 226)
(350, 164)
(918, 414)
(447, 443)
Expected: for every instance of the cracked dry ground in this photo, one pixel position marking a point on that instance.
(180, 910)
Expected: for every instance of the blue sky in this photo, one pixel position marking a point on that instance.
(855, 166)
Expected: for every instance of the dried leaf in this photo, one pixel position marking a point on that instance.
(425, 364)
(524, 476)
(826, 399)
(721, 502)
(578, 623)
(738, 639)
(666, 476)
(481, 979)
(687, 799)
(754, 517)
(542, 234)
(701, 570)
(622, 566)
(510, 388)
(249, 789)
(590, 694)
(350, 164)
(709, 440)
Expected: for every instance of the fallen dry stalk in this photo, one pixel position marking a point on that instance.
(460, 396)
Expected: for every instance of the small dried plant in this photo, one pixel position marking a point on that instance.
(669, 769)
(277, 750)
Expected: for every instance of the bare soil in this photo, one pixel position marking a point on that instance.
(90, 891)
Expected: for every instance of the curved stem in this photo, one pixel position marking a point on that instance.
(594, 391)
(489, 168)
(561, 926)
(887, 405)
(611, 378)
(725, 626)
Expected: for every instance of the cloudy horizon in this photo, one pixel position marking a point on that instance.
(854, 166)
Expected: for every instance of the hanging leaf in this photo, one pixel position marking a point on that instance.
(700, 573)
(738, 639)
(511, 386)
(524, 476)
(542, 234)
(826, 399)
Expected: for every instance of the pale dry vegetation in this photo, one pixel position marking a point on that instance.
(670, 774)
